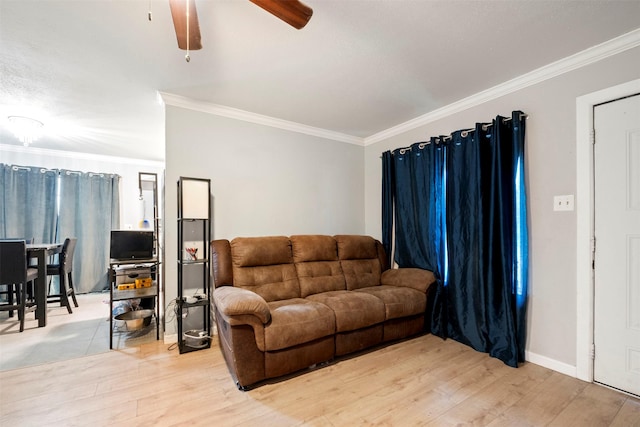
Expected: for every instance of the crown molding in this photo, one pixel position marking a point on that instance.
(82, 156)
(247, 116)
(588, 56)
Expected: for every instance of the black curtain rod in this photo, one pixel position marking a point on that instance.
(464, 133)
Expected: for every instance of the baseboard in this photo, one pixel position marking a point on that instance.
(552, 364)
(173, 338)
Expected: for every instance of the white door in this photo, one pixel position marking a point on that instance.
(617, 233)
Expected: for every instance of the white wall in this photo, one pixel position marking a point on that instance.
(265, 181)
(551, 167)
(130, 207)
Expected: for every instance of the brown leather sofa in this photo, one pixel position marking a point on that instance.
(283, 304)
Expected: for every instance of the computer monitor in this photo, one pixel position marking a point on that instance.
(131, 244)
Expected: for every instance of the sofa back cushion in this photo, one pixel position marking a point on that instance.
(265, 266)
(317, 264)
(221, 263)
(359, 261)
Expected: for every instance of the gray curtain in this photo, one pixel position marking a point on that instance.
(89, 210)
(28, 203)
(51, 205)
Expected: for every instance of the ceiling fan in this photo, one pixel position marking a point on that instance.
(185, 18)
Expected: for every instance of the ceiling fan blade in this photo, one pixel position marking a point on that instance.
(179, 14)
(293, 12)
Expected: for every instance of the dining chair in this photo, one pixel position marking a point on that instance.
(15, 275)
(6, 291)
(63, 270)
(27, 241)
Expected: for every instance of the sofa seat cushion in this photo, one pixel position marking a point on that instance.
(398, 301)
(352, 310)
(297, 321)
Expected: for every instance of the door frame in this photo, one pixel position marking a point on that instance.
(585, 205)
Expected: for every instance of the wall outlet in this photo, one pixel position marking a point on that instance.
(563, 203)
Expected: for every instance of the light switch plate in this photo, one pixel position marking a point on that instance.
(563, 203)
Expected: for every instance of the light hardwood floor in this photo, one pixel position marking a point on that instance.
(66, 336)
(423, 381)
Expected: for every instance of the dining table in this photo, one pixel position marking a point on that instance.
(40, 252)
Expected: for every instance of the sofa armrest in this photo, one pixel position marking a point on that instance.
(415, 278)
(234, 302)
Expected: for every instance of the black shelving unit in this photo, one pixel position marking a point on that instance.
(123, 271)
(194, 231)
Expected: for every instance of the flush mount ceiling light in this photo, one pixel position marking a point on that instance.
(25, 129)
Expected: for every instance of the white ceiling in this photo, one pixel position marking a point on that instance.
(91, 70)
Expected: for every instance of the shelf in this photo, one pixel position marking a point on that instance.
(122, 328)
(188, 261)
(141, 262)
(200, 303)
(194, 233)
(144, 268)
(184, 348)
(135, 293)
